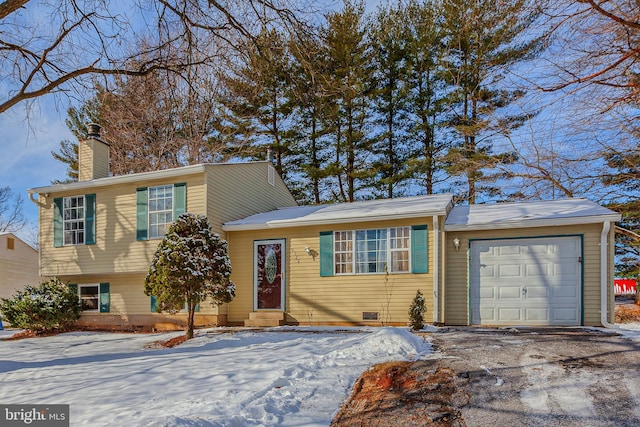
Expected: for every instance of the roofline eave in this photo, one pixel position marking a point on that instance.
(534, 223)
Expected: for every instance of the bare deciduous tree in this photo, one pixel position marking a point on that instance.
(11, 217)
(54, 47)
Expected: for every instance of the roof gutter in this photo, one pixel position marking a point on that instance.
(526, 223)
(604, 276)
(120, 179)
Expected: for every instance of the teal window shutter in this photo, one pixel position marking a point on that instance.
(419, 249)
(326, 253)
(197, 307)
(90, 219)
(142, 214)
(179, 199)
(73, 287)
(154, 304)
(105, 298)
(57, 222)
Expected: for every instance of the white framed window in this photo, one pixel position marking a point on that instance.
(343, 252)
(160, 210)
(372, 251)
(73, 219)
(400, 249)
(89, 297)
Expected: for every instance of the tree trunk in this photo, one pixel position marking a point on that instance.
(190, 320)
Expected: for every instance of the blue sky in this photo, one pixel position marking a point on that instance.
(27, 138)
(30, 131)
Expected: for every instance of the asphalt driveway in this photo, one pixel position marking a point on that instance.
(542, 377)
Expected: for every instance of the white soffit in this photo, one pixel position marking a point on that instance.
(528, 214)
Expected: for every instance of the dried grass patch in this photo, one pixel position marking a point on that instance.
(627, 313)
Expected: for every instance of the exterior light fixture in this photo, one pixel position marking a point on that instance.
(308, 250)
(456, 243)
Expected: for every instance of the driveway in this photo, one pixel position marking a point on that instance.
(507, 377)
(544, 377)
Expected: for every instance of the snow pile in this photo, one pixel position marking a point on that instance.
(285, 377)
(630, 330)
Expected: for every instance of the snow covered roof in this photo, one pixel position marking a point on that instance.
(528, 214)
(134, 177)
(340, 213)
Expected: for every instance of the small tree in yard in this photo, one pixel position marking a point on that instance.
(416, 311)
(190, 265)
(51, 305)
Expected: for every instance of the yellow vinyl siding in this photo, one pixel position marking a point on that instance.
(239, 190)
(456, 297)
(94, 160)
(126, 293)
(18, 266)
(116, 249)
(337, 299)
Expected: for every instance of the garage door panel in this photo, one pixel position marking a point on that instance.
(534, 281)
(568, 268)
(507, 250)
(509, 292)
(537, 314)
(487, 293)
(567, 291)
(534, 270)
(487, 271)
(509, 314)
(565, 316)
(510, 270)
(534, 292)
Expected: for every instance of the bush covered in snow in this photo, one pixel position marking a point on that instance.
(416, 311)
(190, 265)
(51, 305)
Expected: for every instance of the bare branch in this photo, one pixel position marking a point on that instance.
(9, 6)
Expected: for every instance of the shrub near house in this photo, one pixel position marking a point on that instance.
(51, 305)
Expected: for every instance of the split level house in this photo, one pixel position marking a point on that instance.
(534, 263)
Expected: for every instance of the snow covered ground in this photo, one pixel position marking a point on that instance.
(284, 377)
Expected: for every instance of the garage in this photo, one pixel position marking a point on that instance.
(528, 281)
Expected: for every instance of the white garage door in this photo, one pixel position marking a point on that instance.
(526, 281)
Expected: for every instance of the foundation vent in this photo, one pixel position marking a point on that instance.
(369, 315)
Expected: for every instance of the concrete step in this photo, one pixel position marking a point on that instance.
(265, 319)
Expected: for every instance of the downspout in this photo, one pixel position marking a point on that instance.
(604, 276)
(436, 268)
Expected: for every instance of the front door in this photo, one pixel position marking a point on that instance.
(269, 277)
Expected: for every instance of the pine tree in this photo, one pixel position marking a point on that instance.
(416, 311)
(626, 177)
(257, 100)
(388, 38)
(189, 266)
(425, 92)
(310, 143)
(483, 40)
(347, 84)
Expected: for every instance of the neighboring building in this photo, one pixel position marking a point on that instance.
(539, 263)
(99, 234)
(18, 265)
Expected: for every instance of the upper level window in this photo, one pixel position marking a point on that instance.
(372, 251)
(73, 218)
(160, 210)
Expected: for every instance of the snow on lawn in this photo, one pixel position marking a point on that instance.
(288, 377)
